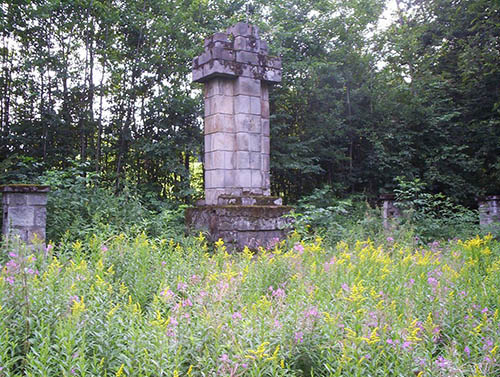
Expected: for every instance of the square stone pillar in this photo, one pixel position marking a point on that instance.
(236, 72)
(389, 209)
(24, 211)
(489, 211)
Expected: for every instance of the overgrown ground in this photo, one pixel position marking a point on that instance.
(156, 307)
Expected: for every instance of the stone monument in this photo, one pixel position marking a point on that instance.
(237, 71)
(24, 211)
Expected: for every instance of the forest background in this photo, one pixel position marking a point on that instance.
(99, 92)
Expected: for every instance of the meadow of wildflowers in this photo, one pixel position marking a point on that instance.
(154, 307)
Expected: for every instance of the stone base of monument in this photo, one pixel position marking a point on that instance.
(250, 220)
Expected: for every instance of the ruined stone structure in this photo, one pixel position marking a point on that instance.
(389, 209)
(24, 211)
(489, 211)
(236, 72)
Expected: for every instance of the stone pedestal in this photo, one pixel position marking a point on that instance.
(24, 211)
(389, 210)
(489, 211)
(236, 72)
(241, 224)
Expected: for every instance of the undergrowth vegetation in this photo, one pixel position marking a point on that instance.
(140, 306)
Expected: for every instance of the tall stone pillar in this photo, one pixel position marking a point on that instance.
(24, 211)
(237, 71)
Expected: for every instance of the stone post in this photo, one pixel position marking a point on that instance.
(237, 71)
(24, 211)
(489, 211)
(389, 210)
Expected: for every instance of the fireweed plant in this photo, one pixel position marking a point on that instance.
(154, 307)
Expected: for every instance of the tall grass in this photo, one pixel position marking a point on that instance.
(154, 307)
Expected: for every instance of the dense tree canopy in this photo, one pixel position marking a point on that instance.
(107, 82)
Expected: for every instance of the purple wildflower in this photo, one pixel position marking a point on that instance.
(432, 282)
(442, 362)
(299, 337)
(467, 351)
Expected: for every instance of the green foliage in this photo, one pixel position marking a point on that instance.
(434, 216)
(108, 83)
(79, 207)
(323, 214)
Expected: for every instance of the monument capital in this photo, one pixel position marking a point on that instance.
(238, 51)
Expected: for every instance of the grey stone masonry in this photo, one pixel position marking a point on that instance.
(236, 71)
(389, 209)
(24, 211)
(489, 211)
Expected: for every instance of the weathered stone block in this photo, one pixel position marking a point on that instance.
(40, 216)
(229, 178)
(247, 86)
(247, 123)
(219, 123)
(264, 105)
(16, 199)
(220, 105)
(242, 104)
(248, 44)
(254, 144)
(264, 90)
(265, 144)
(255, 106)
(222, 53)
(208, 143)
(265, 162)
(271, 75)
(242, 160)
(36, 199)
(214, 178)
(271, 61)
(242, 141)
(197, 73)
(223, 141)
(216, 68)
(214, 160)
(217, 37)
(229, 160)
(255, 161)
(244, 178)
(265, 127)
(21, 216)
(247, 57)
(256, 178)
